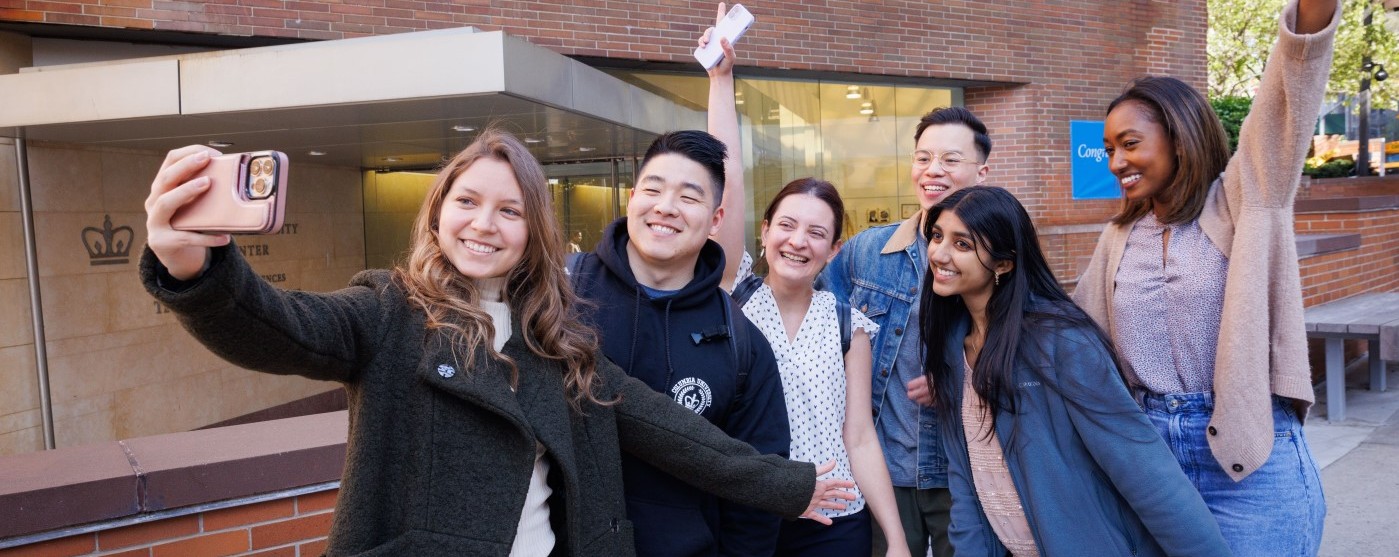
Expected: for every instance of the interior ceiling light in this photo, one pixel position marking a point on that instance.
(587, 149)
(852, 92)
(463, 129)
(220, 144)
(533, 140)
(392, 159)
(316, 153)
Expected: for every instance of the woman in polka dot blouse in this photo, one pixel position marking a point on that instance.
(827, 389)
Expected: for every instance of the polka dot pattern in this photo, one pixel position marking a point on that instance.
(813, 379)
(1166, 317)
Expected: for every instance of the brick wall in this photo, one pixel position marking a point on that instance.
(289, 527)
(1370, 268)
(1053, 61)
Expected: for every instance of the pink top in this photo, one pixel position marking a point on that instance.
(999, 499)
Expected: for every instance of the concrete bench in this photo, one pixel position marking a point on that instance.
(1371, 317)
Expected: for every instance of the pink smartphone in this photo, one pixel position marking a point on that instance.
(247, 195)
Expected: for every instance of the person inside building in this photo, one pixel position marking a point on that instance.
(1196, 279)
(880, 271)
(483, 419)
(822, 346)
(1048, 453)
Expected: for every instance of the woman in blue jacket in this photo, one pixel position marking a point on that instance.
(1048, 452)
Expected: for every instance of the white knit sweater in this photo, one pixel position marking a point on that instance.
(534, 537)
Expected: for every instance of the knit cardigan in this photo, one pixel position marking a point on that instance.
(440, 456)
(1262, 348)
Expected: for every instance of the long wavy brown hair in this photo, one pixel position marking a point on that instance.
(537, 289)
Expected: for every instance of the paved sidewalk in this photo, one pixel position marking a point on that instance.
(1359, 460)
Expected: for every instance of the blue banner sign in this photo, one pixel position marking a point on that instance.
(1092, 180)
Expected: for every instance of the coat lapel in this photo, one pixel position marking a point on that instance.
(538, 409)
(485, 385)
(545, 408)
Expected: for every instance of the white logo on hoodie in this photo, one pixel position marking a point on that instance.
(693, 393)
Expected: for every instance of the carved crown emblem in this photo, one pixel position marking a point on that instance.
(108, 246)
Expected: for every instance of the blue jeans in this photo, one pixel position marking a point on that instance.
(1278, 510)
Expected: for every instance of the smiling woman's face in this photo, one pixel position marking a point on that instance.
(1139, 151)
(481, 228)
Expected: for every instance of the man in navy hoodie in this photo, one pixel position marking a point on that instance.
(653, 283)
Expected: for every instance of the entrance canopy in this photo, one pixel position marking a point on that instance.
(386, 102)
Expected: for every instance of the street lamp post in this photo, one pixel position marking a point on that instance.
(1368, 68)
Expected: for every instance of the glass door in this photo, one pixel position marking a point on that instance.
(588, 196)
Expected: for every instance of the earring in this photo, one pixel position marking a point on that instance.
(762, 252)
(998, 279)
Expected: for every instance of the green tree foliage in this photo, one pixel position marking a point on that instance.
(1242, 33)
(1231, 112)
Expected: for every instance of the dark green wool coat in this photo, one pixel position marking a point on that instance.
(439, 457)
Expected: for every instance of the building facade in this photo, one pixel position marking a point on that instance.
(831, 89)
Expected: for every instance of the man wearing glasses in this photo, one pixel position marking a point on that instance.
(881, 272)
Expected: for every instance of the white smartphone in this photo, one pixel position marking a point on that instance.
(738, 20)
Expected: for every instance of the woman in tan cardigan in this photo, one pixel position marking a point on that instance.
(1196, 280)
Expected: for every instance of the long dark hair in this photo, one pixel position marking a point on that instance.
(1027, 298)
(1201, 146)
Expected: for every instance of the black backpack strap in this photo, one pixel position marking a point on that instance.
(843, 316)
(739, 334)
(738, 340)
(745, 289)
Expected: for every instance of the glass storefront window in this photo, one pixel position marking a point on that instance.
(857, 136)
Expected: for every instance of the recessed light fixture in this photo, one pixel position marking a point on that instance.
(533, 140)
(587, 149)
(392, 159)
(463, 129)
(316, 153)
(219, 144)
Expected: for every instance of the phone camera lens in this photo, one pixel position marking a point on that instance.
(260, 187)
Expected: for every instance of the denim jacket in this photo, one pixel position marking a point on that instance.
(881, 272)
(1093, 475)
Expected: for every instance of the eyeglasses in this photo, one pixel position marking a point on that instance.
(949, 162)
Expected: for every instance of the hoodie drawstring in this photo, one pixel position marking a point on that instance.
(635, 322)
(669, 368)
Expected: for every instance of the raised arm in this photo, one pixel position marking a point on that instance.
(1273, 141)
(230, 309)
(1314, 15)
(723, 124)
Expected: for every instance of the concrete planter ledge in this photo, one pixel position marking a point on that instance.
(1317, 244)
(62, 488)
(1349, 204)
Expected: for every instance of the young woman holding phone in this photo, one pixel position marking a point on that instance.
(482, 420)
